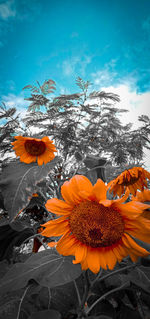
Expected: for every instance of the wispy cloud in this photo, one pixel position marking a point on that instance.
(17, 101)
(7, 10)
(105, 76)
(146, 24)
(76, 65)
(16, 10)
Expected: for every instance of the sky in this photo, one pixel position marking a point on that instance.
(104, 41)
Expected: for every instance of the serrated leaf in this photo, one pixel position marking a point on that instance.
(46, 314)
(18, 182)
(47, 268)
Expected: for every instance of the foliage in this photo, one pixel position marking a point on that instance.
(91, 140)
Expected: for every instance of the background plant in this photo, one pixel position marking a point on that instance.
(91, 140)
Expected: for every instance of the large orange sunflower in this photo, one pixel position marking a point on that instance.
(131, 179)
(97, 231)
(143, 197)
(31, 149)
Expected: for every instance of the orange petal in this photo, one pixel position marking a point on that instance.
(84, 265)
(106, 202)
(93, 259)
(80, 253)
(52, 244)
(120, 251)
(129, 209)
(40, 160)
(131, 244)
(103, 263)
(67, 245)
(140, 229)
(58, 207)
(71, 191)
(98, 191)
(110, 258)
(55, 227)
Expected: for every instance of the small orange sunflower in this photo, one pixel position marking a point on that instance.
(143, 197)
(31, 149)
(131, 179)
(97, 231)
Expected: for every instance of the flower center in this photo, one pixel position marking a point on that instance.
(96, 225)
(130, 180)
(35, 147)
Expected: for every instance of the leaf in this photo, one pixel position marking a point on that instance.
(18, 182)
(47, 268)
(141, 277)
(126, 312)
(9, 304)
(46, 314)
(104, 95)
(99, 317)
(27, 87)
(48, 87)
(10, 238)
(103, 308)
(64, 298)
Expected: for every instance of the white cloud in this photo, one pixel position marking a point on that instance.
(137, 104)
(105, 76)
(76, 65)
(17, 101)
(7, 10)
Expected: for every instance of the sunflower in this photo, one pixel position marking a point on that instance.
(95, 230)
(143, 197)
(31, 149)
(131, 179)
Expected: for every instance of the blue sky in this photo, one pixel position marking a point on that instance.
(105, 41)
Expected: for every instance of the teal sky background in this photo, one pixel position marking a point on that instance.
(105, 41)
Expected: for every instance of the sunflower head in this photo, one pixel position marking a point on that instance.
(32, 149)
(131, 179)
(97, 231)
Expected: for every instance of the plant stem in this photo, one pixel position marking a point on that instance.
(39, 238)
(49, 298)
(99, 274)
(22, 301)
(116, 272)
(86, 291)
(78, 293)
(106, 295)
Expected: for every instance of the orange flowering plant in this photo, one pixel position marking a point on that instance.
(97, 231)
(74, 219)
(31, 149)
